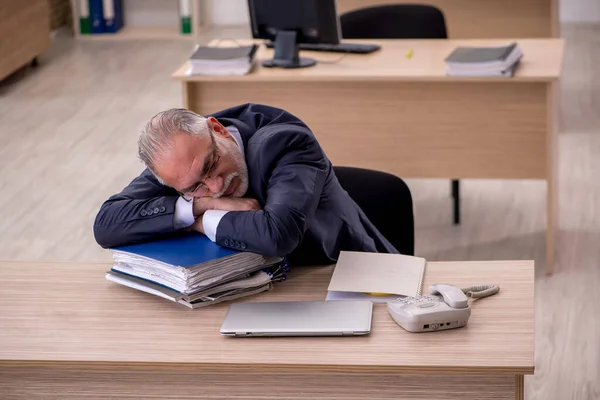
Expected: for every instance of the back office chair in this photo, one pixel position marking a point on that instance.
(386, 201)
(399, 21)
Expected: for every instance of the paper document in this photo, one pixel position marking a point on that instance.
(378, 273)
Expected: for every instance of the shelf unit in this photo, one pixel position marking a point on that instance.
(201, 11)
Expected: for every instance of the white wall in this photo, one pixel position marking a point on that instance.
(151, 12)
(230, 12)
(579, 10)
(165, 12)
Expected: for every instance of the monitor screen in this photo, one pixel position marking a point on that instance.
(314, 21)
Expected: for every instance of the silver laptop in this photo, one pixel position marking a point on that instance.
(298, 318)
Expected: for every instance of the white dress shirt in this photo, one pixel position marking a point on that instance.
(184, 214)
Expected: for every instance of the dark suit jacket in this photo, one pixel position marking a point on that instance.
(306, 214)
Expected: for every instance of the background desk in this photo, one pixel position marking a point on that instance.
(485, 19)
(66, 333)
(405, 116)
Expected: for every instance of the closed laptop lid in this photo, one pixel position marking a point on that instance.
(298, 318)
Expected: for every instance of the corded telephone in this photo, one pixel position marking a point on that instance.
(447, 307)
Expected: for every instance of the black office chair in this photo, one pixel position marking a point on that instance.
(399, 21)
(386, 201)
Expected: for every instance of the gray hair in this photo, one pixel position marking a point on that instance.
(156, 137)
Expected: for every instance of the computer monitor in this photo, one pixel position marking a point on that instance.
(290, 22)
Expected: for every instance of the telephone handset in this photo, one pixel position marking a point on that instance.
(447, 307)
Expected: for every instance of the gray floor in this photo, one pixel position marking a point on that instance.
(69, 131)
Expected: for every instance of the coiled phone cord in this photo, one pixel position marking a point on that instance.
(481, 291)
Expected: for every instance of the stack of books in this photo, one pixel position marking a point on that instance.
(484, 61)
(220, 61)
(194, 271)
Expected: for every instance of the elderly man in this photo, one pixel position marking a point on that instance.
(252, 177)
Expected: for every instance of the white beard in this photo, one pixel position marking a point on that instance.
(242, 168)
(226, 184)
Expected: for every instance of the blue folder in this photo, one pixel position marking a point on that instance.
(191, 259)
(112, 24)
(181, 250)
(96, 16)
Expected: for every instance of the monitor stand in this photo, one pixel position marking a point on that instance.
(287, 53)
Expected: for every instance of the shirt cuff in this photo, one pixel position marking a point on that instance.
(184, 213)
(210, 222)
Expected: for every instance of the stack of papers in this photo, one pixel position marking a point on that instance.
(484, 61)
(221, 61)
(193, 271)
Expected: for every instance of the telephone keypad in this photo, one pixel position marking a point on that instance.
(409, 301)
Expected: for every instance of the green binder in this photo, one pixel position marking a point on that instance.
(185, 17)
(186, 25)
(85, 23)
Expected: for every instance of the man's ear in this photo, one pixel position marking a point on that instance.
(218, 128)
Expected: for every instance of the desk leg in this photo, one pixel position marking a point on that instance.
(554, 18)
(519, 387)
(185, 94)
(552, 177)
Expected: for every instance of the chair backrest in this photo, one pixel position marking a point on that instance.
(386, 201)
(394, 21)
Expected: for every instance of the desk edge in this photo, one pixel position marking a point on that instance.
(240, 368)
(341, 78)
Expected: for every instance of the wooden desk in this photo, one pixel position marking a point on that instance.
(486, 19)
(66, 333)
(405, 116)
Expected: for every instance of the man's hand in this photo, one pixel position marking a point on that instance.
(197, 225)
(203, 204)
(236, 204)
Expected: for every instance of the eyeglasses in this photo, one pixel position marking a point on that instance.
(216, 157)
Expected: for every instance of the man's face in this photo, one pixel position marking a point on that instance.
(201, 167)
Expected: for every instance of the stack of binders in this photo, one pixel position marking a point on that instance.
(193, 271)
(484, 61)
(108, 16)
(219, 61)
(100, 16)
